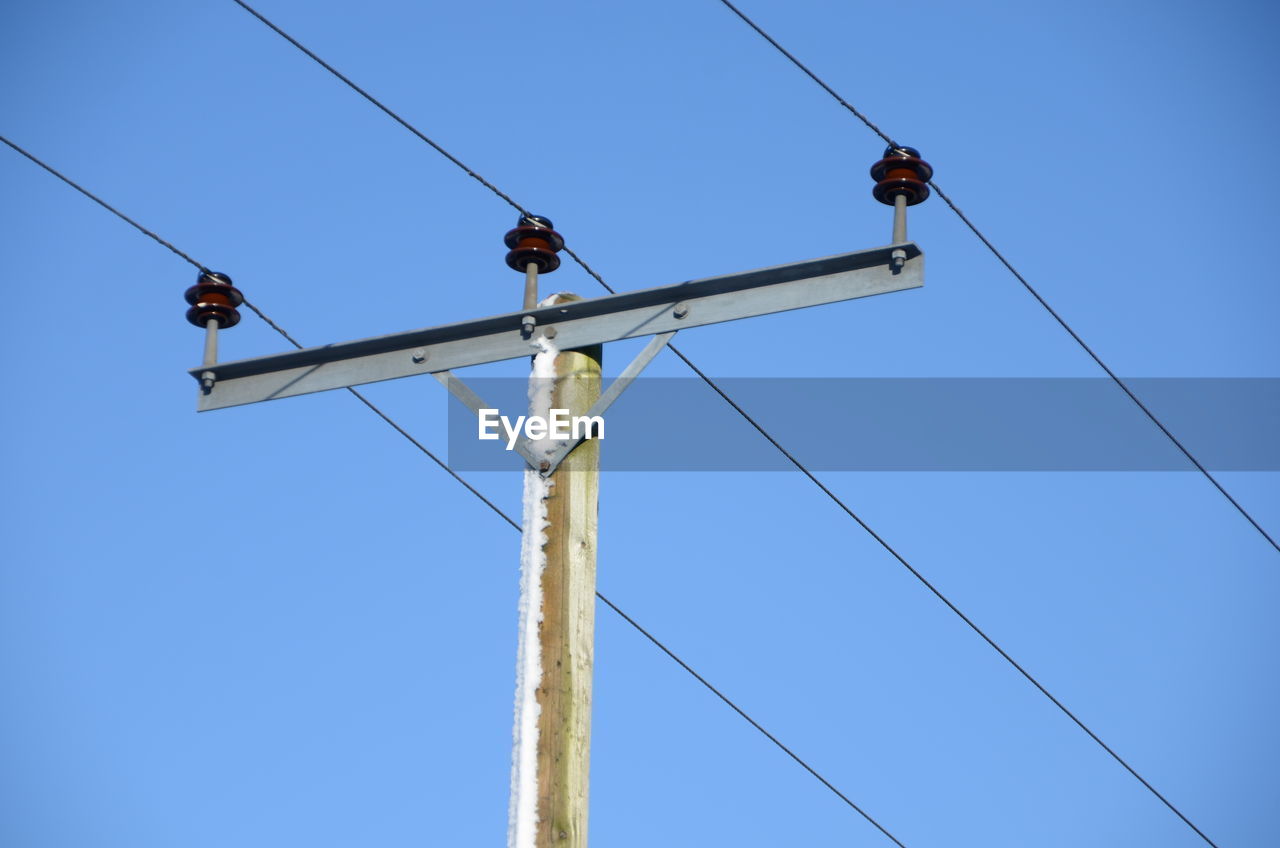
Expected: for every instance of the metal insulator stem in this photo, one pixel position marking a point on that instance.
(213, 302)
(531, 286)
(902, 180)
(210, 343)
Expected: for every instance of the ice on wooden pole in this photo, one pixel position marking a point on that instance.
(552, 735)
(523, 813)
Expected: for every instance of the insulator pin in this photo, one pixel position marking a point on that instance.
(213, 298)
(534, 241)
(901, 172)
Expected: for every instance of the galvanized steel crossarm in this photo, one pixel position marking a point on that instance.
(572, 325)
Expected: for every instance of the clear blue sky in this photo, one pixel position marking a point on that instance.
(281, 625)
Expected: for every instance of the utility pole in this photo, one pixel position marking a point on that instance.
(567, 629)
(557, 627)
(565, 334)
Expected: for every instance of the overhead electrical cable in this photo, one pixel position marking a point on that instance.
(104, 204)
(256, 311)
(1074, 335)
(1018, 276)
(494, 507)
(411, 128)
(951, 606)
(742, 412)
(1119, 382)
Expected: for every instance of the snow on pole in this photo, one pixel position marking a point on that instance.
(522, 814)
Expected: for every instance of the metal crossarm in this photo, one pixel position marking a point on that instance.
(571, 325)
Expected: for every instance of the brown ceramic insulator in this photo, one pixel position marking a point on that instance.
(901, 172)
(887, 191)
(213, 298)
(530, 242)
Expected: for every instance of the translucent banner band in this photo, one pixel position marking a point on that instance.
(910, 424)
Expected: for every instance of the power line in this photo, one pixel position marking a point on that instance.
(393, 425)
(749, 719)
(367, 96)
(104, 204)
(492, 506)
(742, 412)
(411, 128)
(1021, 279)
(1082, 344)
(1123, 386)
(828, 89)
(256, 311)
(951, 606)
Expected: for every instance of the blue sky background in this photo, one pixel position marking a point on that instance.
(281, 625)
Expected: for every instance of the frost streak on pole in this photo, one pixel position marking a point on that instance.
(522, 814)
(551, 760)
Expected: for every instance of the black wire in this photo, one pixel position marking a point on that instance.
(141, 229)
(1021, 279)
(743, 412)
(749, 719)
(411, 128)
(272, 324)
(103, 204)
(1082, 344)
(938, 594)
(828, 89)
(393, 425)
(1123, 387)
(367, 96)
(576, 258)
(496, 509)
(629, 620)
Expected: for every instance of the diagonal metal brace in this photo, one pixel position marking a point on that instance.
(547, 460)
(475, 403)
(607, 397)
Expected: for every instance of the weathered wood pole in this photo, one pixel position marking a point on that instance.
(567, 632)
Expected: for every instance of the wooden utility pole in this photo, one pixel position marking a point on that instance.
(567, 630)
(553, 703)
(560, 521)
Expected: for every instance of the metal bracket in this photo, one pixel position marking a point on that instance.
(577, 324)
(550, 459)
(475, 403)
